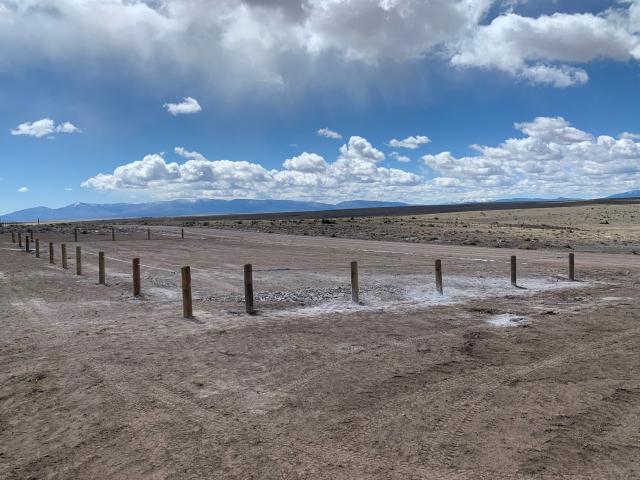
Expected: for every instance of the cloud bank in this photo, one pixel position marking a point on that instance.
(242, 44)
(550, 158)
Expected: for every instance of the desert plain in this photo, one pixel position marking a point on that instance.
(487, 381)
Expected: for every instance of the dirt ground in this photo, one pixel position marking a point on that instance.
(594, 228)
(487, 381)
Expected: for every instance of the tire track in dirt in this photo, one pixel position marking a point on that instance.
(325, 455)
(453, 428)
(485, 382)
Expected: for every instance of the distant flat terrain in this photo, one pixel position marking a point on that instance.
(611, 226)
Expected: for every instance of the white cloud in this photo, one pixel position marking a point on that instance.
(68, 189)
(355, 174)
(327, 133)
(360, 150)
(241, 45)
(629, 136)
(545, 49)
(411, 143)
(400, 158)
(553, 158)
(550, 158)
(23, 190)
(44, 128)
(188, 106)
(307, 163)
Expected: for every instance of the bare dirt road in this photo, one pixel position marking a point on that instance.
(485, 382)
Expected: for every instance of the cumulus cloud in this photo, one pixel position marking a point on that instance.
(244, 44)
(545, 49)
(400, 158)
(188, 106)
(307, 162)
(411, 143)
(44, 128)
(355, 173)
(23, 190)
(629, 136)
(327, 133)
(553, 158)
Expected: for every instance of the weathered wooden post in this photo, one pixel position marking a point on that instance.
(26, 244)
(13, 236)
(101, 269)
(51, 260)
(248, 288)
(136, 277)
(63, 248)
(355, 288)
(37, 248)
(75, 235)
(113, 234)
(439, 277)
(514, 275)
(78, 261)
(572, 267)
(187, 300)
(182, 233)
(148, 234)
(19, 239)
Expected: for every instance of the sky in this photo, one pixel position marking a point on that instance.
(421, 101)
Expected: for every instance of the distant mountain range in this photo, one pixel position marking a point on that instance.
(203, 207)
(629, 194)
(176, 208)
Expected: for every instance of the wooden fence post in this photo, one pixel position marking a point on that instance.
(27, 248)
(355, 287)
(75, 235)
(187, 300)
(13, 236)
(31, 233)
(136, 277)
(78, 261)
(64, 256)
(248, 288)
(182, 233)
(37, 248)
(148, 234)
(514, 274)
(113, 234)
(572, 267)
(51, 260)
(439, 277)
(19, 239)
(101, 269)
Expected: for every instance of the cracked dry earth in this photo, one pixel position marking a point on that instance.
(95, 384)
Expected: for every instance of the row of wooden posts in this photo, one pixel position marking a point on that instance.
(75, 235)
(187, 300)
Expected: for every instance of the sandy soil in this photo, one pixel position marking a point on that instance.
(595, 228)
(486, 382)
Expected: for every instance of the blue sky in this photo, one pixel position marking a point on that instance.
(84, 115)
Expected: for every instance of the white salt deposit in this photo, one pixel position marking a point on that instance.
(507, 320)
(379, 296)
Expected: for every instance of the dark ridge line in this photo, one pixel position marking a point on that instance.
(395, 211)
